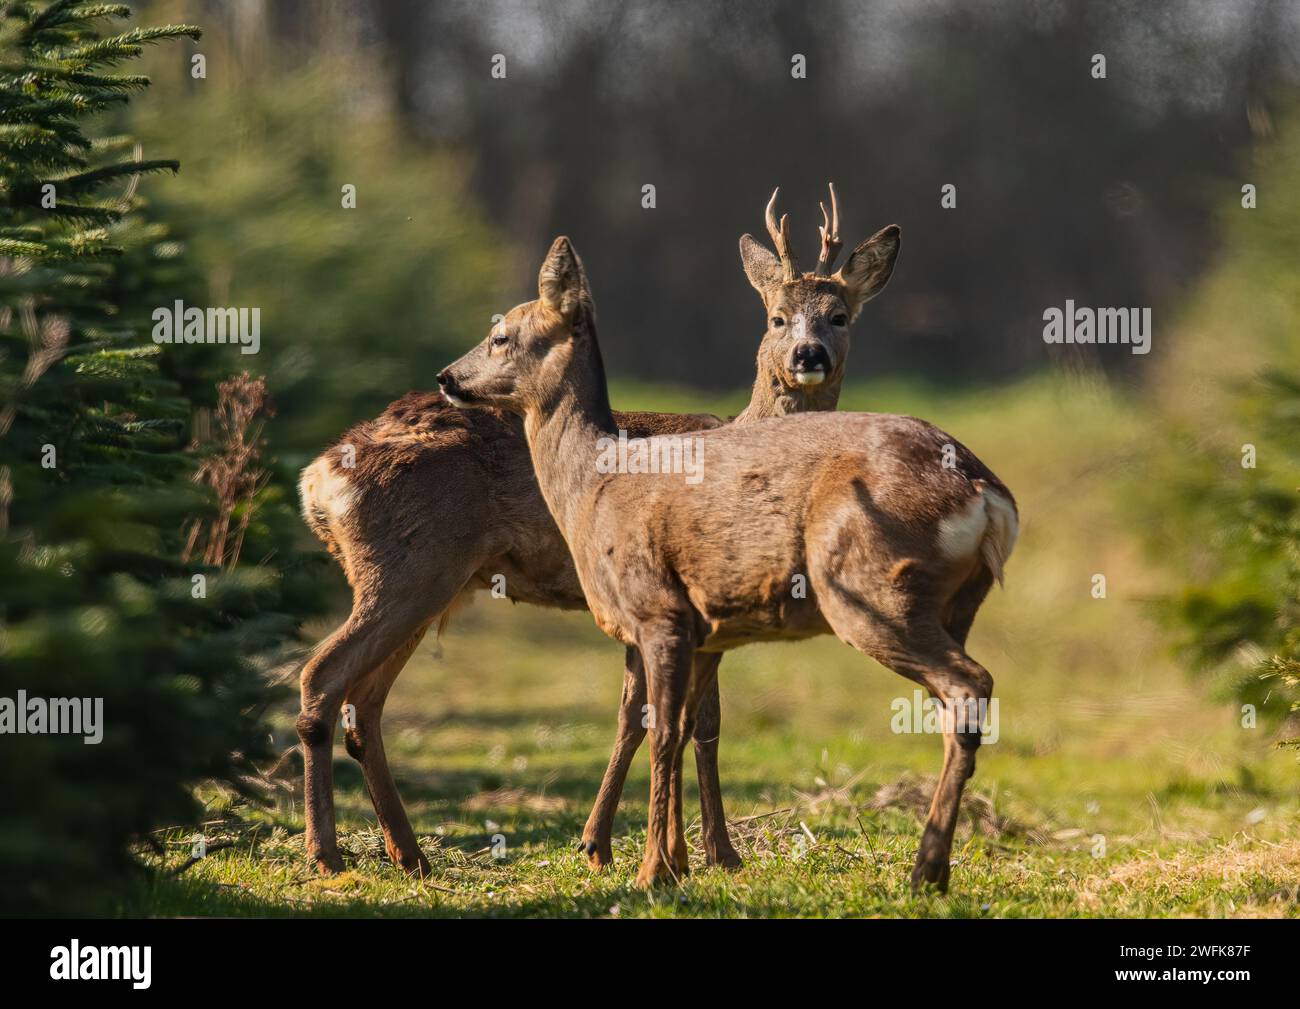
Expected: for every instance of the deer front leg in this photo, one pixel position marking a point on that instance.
(668, 673)
(632, 719)
(718, 849)
(681, 858)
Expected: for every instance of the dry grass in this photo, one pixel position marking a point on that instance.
(1257, 878)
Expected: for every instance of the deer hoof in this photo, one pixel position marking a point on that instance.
(328, 863)
(598, 856)
(417, 867)
(410, 860)
(725, 858)
(651, 876)
(930, 872)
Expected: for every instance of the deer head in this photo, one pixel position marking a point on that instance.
(525, 355)
(808, 314)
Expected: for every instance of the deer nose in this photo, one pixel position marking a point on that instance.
(810, 363)
(447, 385)
(810, 357)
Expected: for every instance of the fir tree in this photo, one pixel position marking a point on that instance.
(1243, 625)
(1220, 488)
(101, 487)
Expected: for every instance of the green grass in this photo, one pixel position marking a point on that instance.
(503, 728)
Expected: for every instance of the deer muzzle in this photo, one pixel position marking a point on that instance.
(451, 391)
(809, 363)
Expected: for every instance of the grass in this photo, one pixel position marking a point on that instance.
(1116, 788)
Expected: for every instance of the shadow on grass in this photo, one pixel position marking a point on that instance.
(167, 897)
(576, 784)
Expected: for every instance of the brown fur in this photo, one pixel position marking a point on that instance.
(440, 500)
(890, 537)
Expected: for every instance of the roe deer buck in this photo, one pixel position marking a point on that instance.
(898, 529)
(800, 368)
(427, 502)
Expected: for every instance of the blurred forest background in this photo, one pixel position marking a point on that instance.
(1109, 191)
(1125, 191)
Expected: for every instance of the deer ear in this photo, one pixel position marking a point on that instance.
(761, 265)
(869, 267)
(562, 282)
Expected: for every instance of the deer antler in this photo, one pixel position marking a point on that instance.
(830, 232)
(781, 238)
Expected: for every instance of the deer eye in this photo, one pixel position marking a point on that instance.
(500, 339)
(840, 320)
(777, 322)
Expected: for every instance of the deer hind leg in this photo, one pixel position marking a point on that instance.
(718, 849)
(965, 603)
(901, 630)
(383, 619)
(960, 684)
(597, 834)
(963, 687)
(341, 660)
(365, 744)
(667, 652)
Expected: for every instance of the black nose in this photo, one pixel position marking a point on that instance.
(810, 357)
(444, 378)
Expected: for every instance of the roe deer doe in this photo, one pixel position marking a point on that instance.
(898, 529)
(426, 503)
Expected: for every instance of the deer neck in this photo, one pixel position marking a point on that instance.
(773, 398)
(564, 432)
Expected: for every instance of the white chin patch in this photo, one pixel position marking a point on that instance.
(815, 377)
(452, 399)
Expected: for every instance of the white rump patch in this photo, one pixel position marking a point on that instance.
(960, 534)
(988, 525)
(325, 489)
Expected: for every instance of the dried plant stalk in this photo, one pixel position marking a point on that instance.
(233, 471)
